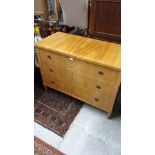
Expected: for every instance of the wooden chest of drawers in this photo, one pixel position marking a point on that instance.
(84, 68)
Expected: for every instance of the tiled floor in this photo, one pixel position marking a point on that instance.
(91, 133)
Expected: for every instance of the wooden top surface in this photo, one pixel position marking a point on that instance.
(95, 51)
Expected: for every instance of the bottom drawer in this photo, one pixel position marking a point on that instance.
(91, 97)
(103, 102)
(56, 83)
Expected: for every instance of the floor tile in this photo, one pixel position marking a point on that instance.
(47, 136)
(91, 133)
(95, 123)
(78, 142)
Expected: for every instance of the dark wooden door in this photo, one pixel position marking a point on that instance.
(105, 20)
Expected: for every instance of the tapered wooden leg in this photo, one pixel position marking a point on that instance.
(109, 114)
(45, 88)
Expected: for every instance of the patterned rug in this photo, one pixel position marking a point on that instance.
(42, 148)
(55, 110)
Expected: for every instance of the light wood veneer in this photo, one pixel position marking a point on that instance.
(84, 68)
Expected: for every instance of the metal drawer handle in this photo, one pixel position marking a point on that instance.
(49, 56)
(52, 82)
(100, 72)
(51, 70)
(96, 99)
(98, 87)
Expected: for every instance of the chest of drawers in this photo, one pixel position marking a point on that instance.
(84, 68)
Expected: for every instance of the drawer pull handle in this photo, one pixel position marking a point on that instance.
(71, 59)
(49, 56)
(51, 70)
(52, 82)
(100, 72)
(98, 87)
(96, 99)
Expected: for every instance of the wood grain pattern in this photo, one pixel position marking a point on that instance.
(90, 50)
(67, 69)
(91, 84)
(105, 20)
(54, 60)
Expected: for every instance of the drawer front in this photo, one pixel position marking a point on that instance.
(95, 71)
(63, 86)
(101, 101)
(79, 67)
(93, 98)
(95, 85)
(59, 73)
(90, 97)
(54, 83)
(54, 59)
(68, 88)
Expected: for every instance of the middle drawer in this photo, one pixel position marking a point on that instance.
(83, 81)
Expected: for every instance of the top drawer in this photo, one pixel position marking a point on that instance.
(50, 59)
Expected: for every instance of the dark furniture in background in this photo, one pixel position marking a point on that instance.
(41, 8)
(105, 20)
(37, 77)
(117, 105)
